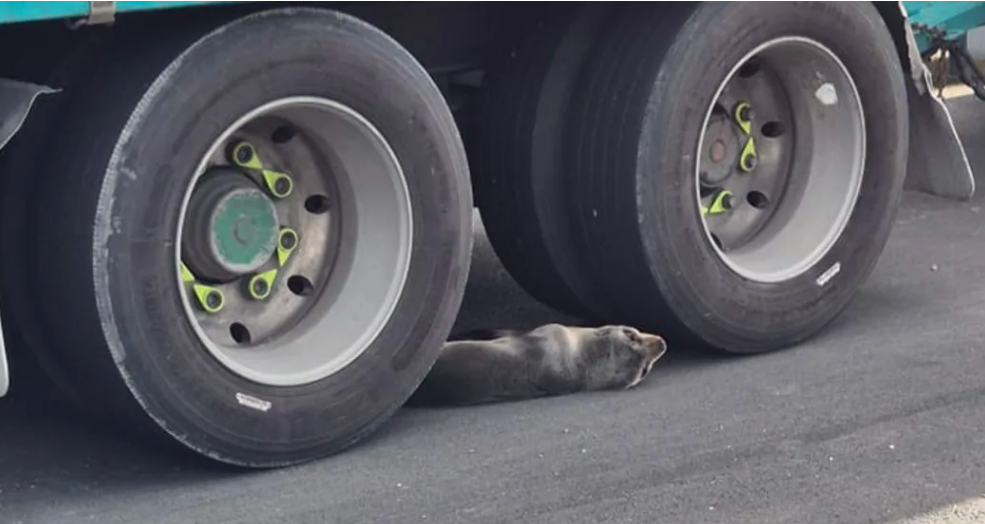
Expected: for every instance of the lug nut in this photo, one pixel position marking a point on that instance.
(213, 300)
(727, 201)
(282, 186)
(244, 153)
(288, 240)
(746, 114)
(750, 162)
(259, 287)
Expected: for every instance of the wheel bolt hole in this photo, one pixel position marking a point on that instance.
(757, 200)
(239, 333)
(282, 134)
(300, 286)
(748, 69)
(316, 204)
(773, 129)
(716, 240)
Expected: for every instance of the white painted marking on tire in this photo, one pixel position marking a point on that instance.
(828, 274)
(253, 402)
(827, 94)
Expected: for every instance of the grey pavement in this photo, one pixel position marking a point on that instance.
(879, 418)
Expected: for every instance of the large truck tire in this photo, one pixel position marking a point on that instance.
(521, 189)
(260, 236)
(693, 235)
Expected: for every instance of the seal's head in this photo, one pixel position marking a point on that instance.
(620, 357)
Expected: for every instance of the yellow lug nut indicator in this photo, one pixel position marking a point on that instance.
(244, 155)
(721, 203)
(210, 299)
(287, 242)
(261, 284)
(186, 275)
(743, 116)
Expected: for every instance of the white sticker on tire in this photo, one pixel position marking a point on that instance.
(828, 274)
(253, 402)
(827, 94)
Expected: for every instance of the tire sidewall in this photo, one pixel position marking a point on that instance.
(261, 58)
(519, 180)
(713, 302)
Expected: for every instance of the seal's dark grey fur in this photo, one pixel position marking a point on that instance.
(551, 360)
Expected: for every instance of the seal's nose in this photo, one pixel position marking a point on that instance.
(655, 344)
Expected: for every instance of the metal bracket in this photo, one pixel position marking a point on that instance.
(100, 12)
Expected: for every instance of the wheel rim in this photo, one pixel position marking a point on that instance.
(780, 159)
(294, 241)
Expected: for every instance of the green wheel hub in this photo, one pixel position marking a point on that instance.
(244, 230)
(233, 228)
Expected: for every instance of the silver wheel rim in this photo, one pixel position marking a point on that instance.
(337, 288)
(808, 132)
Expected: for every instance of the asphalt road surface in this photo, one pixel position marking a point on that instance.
(878, 419)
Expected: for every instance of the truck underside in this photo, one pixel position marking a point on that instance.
(245, 227)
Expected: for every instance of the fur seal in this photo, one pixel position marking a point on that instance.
(551, 360)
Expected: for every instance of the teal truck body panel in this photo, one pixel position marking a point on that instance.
(13, 12)
(953, 19)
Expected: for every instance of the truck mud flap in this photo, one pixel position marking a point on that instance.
(937, 163)
(4, 369)
(16, 100)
